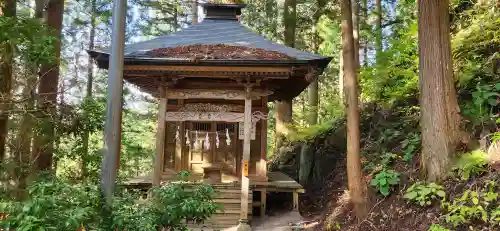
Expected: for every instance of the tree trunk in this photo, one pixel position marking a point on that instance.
(378, 34)
(355, 31)
(8, 9)
(283, 114)
(290, 20)
(365, 42)
(284, 107)
(341, 75)
(357, 187)
(47, 90)
(90, 80)
(439, 108)
(25, 134)
(194, 9)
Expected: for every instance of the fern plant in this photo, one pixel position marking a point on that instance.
(471, 164)
(384, 180)
(436, 227)
(424, 194)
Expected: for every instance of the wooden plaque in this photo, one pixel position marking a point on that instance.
(245, 167)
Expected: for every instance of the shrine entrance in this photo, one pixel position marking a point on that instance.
(212, 145)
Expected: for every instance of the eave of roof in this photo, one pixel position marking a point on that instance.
(103, 58)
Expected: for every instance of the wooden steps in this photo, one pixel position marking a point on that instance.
(229, 196)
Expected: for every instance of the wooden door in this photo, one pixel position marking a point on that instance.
(225, 154)
(198, 153)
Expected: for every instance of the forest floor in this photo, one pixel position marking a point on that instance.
(326, 198)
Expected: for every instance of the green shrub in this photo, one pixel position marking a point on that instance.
(411, 145)
(471, 164)
(424, 194)
(384, 180)
(436, 227)
(473, 205)
(57, 205)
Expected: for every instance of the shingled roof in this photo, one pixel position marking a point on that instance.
(213, 31)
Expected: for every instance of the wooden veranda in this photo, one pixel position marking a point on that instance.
(214, 81)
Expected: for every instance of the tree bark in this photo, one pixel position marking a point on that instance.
(47, 91)
(439, 108)
(8, 9)
(355, 30)
(357, 188)
(283, 114)
(365, 41)
(378, 34)
(341, 75)
(194, 9)
(283, 108)
(290, 22)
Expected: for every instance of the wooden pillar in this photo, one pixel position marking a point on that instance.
(245, 181)
(263, 143)
(295, 200)
(178, 147)
(160, 136)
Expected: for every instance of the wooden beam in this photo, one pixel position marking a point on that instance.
(160, 137)
(209, 68)
(205, 116)
(263, 143)
(213, 94)
(263, 202)
(245, 181)
(178, 148)
(295, 201)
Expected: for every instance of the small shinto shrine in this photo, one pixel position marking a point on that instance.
(214, 80)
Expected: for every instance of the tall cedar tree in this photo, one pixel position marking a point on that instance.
(439, 107)
(7, 9)
(357, 188)
(378, 33)
(194, 11)
(355, 31)
(284, 107)
(90, 81)
(43, 149)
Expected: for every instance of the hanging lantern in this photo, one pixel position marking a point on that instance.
(228, 139)
(207, 142)
(217, 139)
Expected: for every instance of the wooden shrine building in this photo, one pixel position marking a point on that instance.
(213, 81)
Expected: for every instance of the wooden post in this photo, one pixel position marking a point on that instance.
(160, 137)
(178, 147)
(263, 143)
(263, 202)
(295, 200)
(245, 181)
(113, 102)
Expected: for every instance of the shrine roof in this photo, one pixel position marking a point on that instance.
(210, 33)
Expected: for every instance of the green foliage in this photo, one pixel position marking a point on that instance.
(53, 204)
(474, 205)
(27, 38)
(384, 180)
(437, 227)
(424, 194)
(484, 98)
(410, 145)
(470, 164)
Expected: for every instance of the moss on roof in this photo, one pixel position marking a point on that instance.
(218, 51)
(226, 1)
